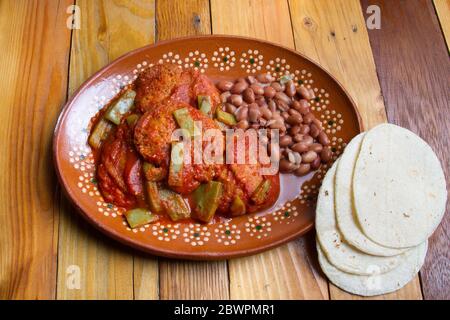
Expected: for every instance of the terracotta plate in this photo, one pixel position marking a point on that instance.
(218, 57)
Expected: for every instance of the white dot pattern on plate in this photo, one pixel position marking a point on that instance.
(196, 60)
(278, 67)
(251, 61)
(224, 59)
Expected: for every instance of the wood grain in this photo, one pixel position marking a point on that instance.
(146, 277)
(287, 272)
(414, 70)
(443, 11)
(108, 30)
(334, 34)
(253, 18)
(34, 65)
(182, 18)
(187, 279)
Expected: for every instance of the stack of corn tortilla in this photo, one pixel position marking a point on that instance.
(378, 205)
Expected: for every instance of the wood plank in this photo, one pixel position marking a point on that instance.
(34, 68)
(182, 18)
(334, 34)
(443, 11)
(188, 279)
(108, 30)
(414, 70)
(287, 272)
(146, 277)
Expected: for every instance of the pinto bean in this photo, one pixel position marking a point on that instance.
(298, 158)
(277, 86)
(304, 129)
(236, 99)
(272, 105)
(239, 87)
(283, 97)
(293, 111)
(326, 155)
(314, 131)
(294, 119)
(253, 105)
(230, 108)
(300, 147)
(277, 124)
(294, 130)
(224, 96)
(266, 113)
(316, 147)
(224, 85)
(285, 141)
(298, 137)
(269, 92)
(264, 78)
(295, 104)
(317, 123)
(285, 152)
(243, 124)
(282, 105)
(309, 156)
(291, 157)
(323, 138)
(286, 166)
(307, 139)
(308, 118)
(302, 169)
(242, 113)
(290, 88)
(277, 116)
(316, 163)
(248, 95)
(303, 107)
(304, 92)
(261, 102)
(251, 79)
(257, 89)
(254, 114)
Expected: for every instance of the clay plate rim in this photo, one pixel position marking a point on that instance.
(122, 238)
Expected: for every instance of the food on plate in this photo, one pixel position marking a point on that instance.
(118, 169)
(170, 82)
(153, 140)
(399, 187)
(378, 284)
(366, 243)
(141, 141)
(338, 252)
(265, 102)
(345, 213)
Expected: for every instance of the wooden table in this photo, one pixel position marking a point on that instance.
(399, 73)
